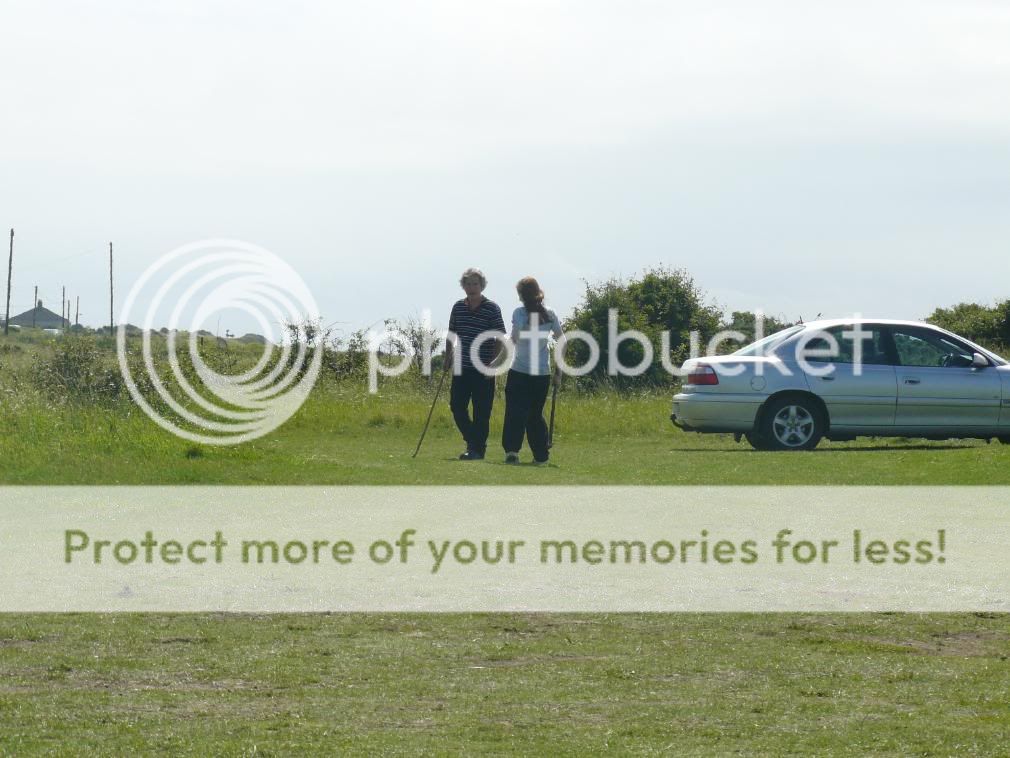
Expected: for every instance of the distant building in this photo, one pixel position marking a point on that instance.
(255, 339)
(39, 317)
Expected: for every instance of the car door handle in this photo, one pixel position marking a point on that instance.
(912, 381)
(827, 378)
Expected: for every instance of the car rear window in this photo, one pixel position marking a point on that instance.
(769, 343)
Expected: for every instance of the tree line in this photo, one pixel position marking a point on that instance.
(669, 300)
(657, 301)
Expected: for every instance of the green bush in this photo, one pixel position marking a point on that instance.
(77, 369)
(989, 326)
(661, 300)
(745, 322)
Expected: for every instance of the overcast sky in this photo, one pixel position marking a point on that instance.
(800, 157)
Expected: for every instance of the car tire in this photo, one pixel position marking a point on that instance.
(1004, 440)
(757, 441)
(793, 422)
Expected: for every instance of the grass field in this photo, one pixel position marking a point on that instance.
(561, 684)
(344, 436)
(528, 684)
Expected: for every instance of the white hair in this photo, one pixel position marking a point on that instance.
(474, 273)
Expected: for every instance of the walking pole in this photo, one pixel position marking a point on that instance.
(554, 400)
(438, 390)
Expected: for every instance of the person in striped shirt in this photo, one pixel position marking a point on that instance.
(473, 319)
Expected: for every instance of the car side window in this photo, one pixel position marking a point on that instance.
(874, 351)
(921, 348)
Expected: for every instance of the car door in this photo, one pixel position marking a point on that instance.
(1004, 416)
(858, 386)
(938, 390)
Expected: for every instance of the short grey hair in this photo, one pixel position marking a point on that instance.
(474, 273)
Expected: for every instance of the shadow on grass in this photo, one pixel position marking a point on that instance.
(860, 449)
(895, 448)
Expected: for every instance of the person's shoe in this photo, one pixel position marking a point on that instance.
(512, 458)
(544, 462)
(471, 455)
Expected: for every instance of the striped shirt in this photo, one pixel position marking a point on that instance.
(467, 325)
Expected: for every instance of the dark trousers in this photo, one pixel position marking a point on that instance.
(525, 396)
(472, 386)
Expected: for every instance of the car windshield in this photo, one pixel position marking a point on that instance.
(769, 343)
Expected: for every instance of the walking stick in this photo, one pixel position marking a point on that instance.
(438, 390)
(550, 431)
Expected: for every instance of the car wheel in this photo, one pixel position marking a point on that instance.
(792, 423)
(1005, 440)
(757, 441)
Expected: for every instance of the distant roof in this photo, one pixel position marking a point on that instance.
(40, 317)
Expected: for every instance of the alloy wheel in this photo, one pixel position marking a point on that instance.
(793, 426)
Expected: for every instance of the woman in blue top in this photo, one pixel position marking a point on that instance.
(530, 375)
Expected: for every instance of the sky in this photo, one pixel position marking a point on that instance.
(803, 158)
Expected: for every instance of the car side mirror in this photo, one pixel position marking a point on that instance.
(979, 361)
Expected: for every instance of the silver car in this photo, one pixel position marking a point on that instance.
(843, 378)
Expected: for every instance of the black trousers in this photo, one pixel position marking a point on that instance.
(525, 396)
(471, 386)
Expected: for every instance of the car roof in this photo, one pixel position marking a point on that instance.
(829, 322)
(832, 322)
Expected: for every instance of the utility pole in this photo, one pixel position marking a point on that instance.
(77, 313)
(112, 325)
(35, 305)
(10, 268)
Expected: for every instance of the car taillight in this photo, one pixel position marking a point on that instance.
(702, 374)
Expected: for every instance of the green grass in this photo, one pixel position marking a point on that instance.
(343, 436)
(529, 684)
(504, 683)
